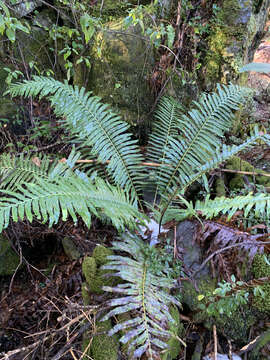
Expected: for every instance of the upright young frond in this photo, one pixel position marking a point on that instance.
(63, 196)
(145, 294)
(201, 134)
(92, 123)
(167, 125)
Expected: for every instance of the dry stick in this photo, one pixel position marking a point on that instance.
(158, 165)
(215, 341)
(258, 243)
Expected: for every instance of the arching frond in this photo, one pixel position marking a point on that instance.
(74, 196)
(220, 156)
(260, 203)
(145, 294)
(93, 124)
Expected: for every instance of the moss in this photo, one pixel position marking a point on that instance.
(261, 269)
(103, 346)
(220, 187)
(100, 254)
(96, 277)
(9, 260)
(85, 294)
(237, 182)
(177, 329)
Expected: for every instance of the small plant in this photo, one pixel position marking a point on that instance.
(227, 297)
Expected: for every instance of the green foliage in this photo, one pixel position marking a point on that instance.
(145, 290)
(9, 25)
(92, 124)
(261, 269)
(225, 299)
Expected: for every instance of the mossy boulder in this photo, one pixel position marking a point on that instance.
(96, 277)
(238, 28)
(262, 269)
(102, 346)
(9, 260)
(236, 181)
(121, 62)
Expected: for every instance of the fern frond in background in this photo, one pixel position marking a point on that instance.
(93, 124)
(145, 295)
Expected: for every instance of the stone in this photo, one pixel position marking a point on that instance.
(121, 62)
(9, 260)
(234, 39)
(70, 248)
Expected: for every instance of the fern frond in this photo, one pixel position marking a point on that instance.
(74, 196)
(260, 203)
(167, 125)
(145, 294)
(201, 134)
(93, 124)
(16, 170)
(220, 156)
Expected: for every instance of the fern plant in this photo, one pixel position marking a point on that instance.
(184, 146)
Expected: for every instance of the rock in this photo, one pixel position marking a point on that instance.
(192, 252)
(23, 8)
(9, 260)
(70, 248)
(234, 39)
(121, 62)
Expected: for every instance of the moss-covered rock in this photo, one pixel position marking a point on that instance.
(102, 346)
(121, 62)
(261, 269)
(9, 260)
(233, 40)
(236, 181)
(70, 248)
(96, 277)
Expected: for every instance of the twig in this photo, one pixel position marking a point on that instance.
(215, 341)
(71, 340)
(244, 172)
(258, 243)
